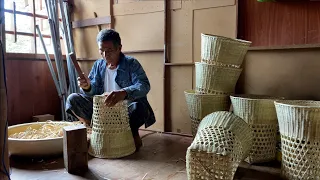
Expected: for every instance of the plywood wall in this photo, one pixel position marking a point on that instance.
(195, 17)
(290, 73)
(141, 26)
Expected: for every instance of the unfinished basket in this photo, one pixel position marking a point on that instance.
(223, 140)
(223, 51)
(212, 79)
(111, 133)
(259, 112)
(300, 138)
(200, 105)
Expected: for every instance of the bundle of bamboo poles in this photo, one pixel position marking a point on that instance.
(66, 31)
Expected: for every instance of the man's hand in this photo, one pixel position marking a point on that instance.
(84, 83)
(114, 97)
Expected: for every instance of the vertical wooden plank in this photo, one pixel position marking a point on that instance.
(274, 24)
(313, 33)
(40, 90)
(52, 98)
(181, 80)
(13, 83)
(26, 91)
(4, 158)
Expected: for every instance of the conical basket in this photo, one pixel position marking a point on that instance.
(223, 51)
(223, 140)
(260, 113)
(212, 79)
(299, 123)
(111, 133)
(200, 105)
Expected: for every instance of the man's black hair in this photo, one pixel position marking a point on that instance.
(109, 35)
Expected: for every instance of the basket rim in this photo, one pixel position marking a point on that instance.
(223, 37)
(193, 92)
(256, 97)
(35, 140)
(219, 67)
(298, 103)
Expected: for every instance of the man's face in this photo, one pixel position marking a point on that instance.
(108, 51)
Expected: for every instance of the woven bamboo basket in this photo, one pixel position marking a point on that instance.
(111, 133)
(200, 105)
(223, 140)
(259, 112)
(223, 51)
(212, 79)
(300, 138)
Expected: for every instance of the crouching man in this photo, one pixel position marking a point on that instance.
(122, 78)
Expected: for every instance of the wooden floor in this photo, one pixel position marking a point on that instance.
(161, 158)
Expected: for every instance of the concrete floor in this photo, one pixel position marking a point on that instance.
(162, 157)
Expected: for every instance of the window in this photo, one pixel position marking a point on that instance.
(21, 36)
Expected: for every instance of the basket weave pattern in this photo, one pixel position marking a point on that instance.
(111, 134)
(218, 49)
(264, 143)
(200, 105)
(211, 79)
(300, 138)
(223, 140)
(259, 112)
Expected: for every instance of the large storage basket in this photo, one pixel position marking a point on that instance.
(299, 123)
(223, 140)
(223, 51)
(259, 112)
(212, 79)
(111, 133)
(200, 105)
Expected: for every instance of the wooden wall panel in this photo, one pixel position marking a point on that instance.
(181, 80)
(181, 34)
(293, 74)
(85, 43)
(141, 31)
(279, 24)
(84, 9)
(153, 66)
(142, 7)
(31, 91)
(222, 20)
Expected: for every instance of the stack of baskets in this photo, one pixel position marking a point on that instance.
(259, 112)
(216, 76)
(111, 133)
(222, 141)
(299, 124)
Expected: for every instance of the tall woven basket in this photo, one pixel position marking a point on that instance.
(200, 105)
(223, 140)
(224, 51)
(212, 79)
(111, 133)
(299, 123)
(260, 113)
